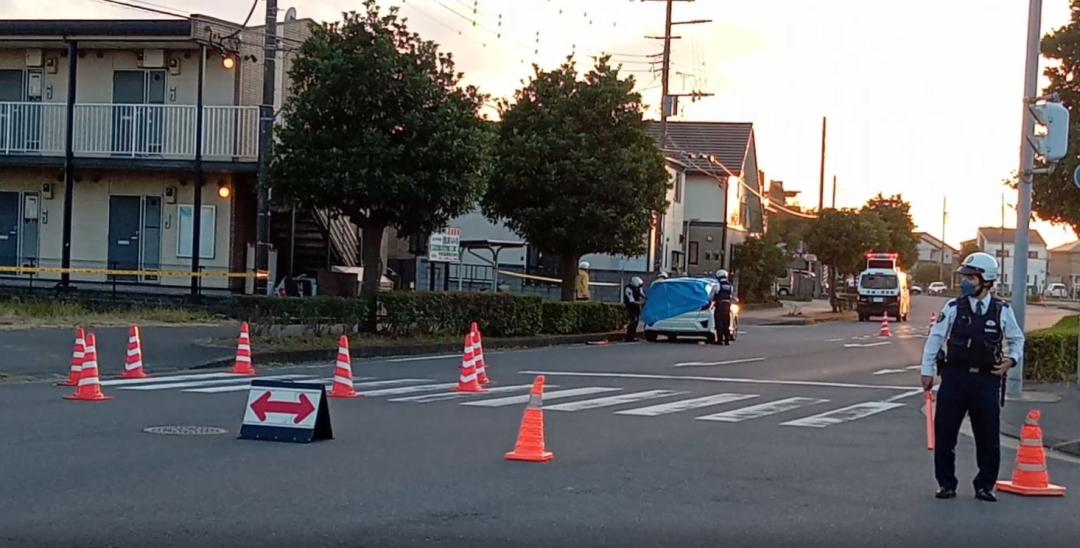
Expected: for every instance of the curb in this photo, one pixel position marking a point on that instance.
(1069, 447)
(386, 351)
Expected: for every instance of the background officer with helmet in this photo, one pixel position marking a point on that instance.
(633, 299)
(966, 345)
(722, 311)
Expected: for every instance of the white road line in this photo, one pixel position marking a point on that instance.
(761, 410)
(230, 388)
(710, 379)
(685, 405)
(357, 384)
(612, 400)
(867, 345)
(428, 398)
(914, 367)
(844, 414)
(889, 371)
(834, 340)
(905, 395)
(558, 394)
(409, 389)
(728, 362)
(423, 358)
(197, 376)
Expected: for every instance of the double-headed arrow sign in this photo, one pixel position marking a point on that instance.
(302, 409)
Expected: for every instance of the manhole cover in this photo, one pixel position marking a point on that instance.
(185, 430)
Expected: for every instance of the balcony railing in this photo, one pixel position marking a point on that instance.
(130, 131)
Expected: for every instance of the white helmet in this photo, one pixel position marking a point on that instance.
(980, 264)
(636, 282)
(721, 274)
(662, 275)
(583, 265)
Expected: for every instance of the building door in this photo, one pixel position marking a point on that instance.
(9, 228)
(124, 229)
(138, 116)
(11, 91)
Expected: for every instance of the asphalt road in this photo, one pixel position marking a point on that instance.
(794, 436)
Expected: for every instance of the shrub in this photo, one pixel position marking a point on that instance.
(1050, 354)
(498, 315)
(564, 318)
(316, 314)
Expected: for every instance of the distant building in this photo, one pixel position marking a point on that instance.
(999, 243)
(1064, 266)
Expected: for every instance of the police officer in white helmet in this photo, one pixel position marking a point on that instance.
(722, 310)
(633, 299)
(973, 346)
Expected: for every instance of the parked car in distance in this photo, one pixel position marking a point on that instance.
(915, 290)
(1056, 290)
(937, 288)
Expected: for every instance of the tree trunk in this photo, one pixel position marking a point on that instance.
(371, 250)
(568, 272)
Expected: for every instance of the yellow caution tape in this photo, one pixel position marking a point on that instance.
(107, 272)
(551, 280)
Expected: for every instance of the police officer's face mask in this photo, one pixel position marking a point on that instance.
(968, 288)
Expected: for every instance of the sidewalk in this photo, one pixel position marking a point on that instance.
(791, 313)
(1060, 407)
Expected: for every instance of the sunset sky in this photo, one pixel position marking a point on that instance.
(923, 96)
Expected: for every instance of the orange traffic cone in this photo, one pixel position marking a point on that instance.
(76, 359)
(478, 349)
(467, 381)
(1029, 475)
(133, 366)
(885, 327)
(530, 441)
(343, 381)
(243, 352)
(89, 383)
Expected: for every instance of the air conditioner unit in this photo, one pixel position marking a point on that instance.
(34, 57)
(153, 58)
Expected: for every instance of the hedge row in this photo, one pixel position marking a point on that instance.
(1050, 354)
(403, 314)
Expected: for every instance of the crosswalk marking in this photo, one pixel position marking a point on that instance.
(197, 376)
(356, 384)
(557, 394)
(761, 410)
(410, 389)
(612, 400)
(428, 398)
(685, 405)
(844, 414)
(243, 380)
(236, 387)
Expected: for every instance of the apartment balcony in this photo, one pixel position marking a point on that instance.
(150, 132)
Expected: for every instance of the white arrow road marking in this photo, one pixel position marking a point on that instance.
(727, 362)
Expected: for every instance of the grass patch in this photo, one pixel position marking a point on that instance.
(20, 314)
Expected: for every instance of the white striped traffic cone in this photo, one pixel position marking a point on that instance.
(243, 352)
(133, 365)
(343, 381)
(467, 381)
(89, 382)
(478, 355)
(77, 356)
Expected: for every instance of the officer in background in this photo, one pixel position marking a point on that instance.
(581, 291)
(966, 346)
(633, 299)
(722, 310)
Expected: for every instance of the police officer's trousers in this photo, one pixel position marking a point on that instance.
(722, 318)
(975, 394)
(633, 316)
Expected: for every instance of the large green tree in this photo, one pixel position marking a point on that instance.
(575, 171)
(842, 237)
(900, 228)
(1055, 197)
(379, 129)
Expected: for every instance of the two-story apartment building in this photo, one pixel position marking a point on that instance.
(999, 243)
(131, 145)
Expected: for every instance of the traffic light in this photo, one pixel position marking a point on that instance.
(1054, 143)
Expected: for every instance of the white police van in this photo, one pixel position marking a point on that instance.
(883, 288)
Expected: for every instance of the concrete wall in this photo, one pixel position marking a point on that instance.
(90, 218)
(704, 198)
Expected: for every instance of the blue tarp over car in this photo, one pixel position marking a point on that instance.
(670, 298)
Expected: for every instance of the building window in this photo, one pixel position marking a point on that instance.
(1033, 254)
(207, 231)
(693, 253)
(1002, 253)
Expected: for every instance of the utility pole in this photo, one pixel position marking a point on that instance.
(266, 128)
(834, 191)
(944, 215)
(821, 175)
(1015, 387)
(1001, 250)
(667, 102)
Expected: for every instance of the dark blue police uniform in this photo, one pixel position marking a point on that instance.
(722, 311)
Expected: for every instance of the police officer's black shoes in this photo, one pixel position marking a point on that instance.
(945, 493)
(985, 495)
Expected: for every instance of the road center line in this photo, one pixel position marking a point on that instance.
(728, 362)
(867, 345)
(711, 379)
